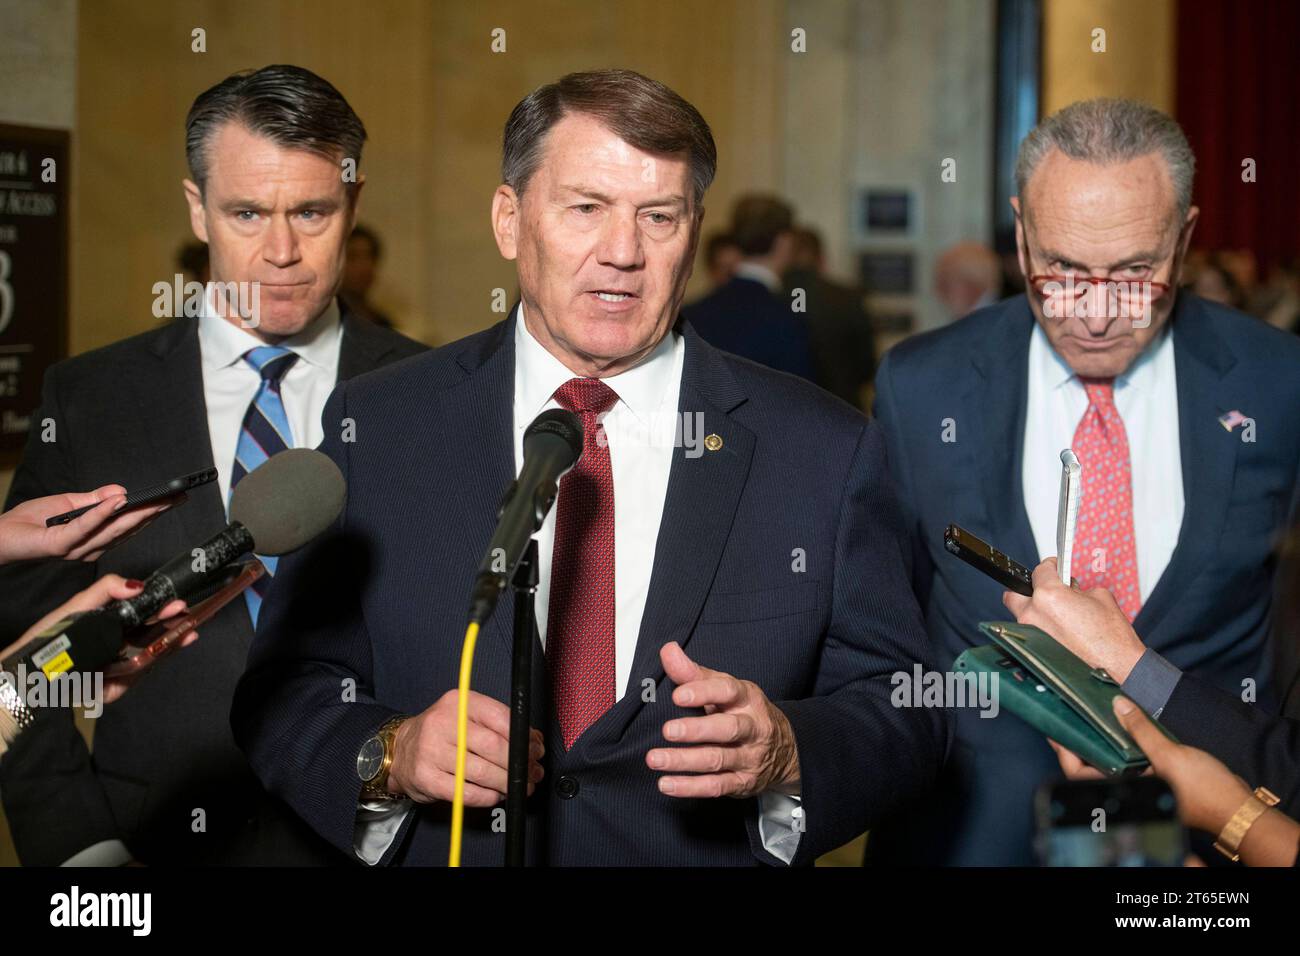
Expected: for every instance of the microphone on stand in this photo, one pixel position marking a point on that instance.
(552, 445)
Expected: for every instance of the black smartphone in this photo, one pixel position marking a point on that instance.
(1131, 821)
(145, 496)
(1010, 574)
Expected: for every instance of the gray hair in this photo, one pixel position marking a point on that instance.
(1106, 131)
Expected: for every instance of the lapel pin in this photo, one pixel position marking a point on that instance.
(712, 442)
(1232, 419)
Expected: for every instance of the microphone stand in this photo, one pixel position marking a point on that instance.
(521, 678)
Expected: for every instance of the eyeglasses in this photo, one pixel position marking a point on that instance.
(1085, 296)
(1071, 296)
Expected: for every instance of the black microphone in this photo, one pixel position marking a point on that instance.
(275, 509)
(552, 445)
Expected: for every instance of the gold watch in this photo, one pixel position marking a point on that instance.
(1229, 841)
(375, 759)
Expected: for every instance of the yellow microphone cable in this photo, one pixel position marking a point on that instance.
(462, 747)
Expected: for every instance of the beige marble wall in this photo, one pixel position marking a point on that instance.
(434, 98)
(911, 85)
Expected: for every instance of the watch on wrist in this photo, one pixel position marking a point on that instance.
(1229, 841)
(13, 703)
(375, 759)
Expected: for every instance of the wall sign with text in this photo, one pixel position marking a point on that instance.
(34, 175)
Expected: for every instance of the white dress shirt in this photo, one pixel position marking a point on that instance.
(640, 428)
(229, 382)
(1146, 397)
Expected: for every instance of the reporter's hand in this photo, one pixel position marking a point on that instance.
(1208, 793)
(1073, 766)
(111, 587)
(1089, 623)
(424, 753)
(23, 534)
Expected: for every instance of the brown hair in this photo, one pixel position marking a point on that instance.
(641, 111)
(756, 221)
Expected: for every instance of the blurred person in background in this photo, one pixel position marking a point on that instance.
(843, 343)
(721, 256)
(967, 276)
(359, 273)
(749, 315)
(1215, 282)
(1278, 300)
(192, 260)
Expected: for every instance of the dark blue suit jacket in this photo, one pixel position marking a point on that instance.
(744, 318)
(1208, 613)
(381, 600)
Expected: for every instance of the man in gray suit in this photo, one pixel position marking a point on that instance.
(273, 191)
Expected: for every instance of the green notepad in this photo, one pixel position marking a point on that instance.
(1044, 684)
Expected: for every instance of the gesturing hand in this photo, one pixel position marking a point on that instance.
(742, 746)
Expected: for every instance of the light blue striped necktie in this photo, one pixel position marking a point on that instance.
(265, 432)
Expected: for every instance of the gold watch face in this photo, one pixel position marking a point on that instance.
(371, 759)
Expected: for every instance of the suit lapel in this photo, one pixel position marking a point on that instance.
(363, 345)
(484, 416)
(1207, 451)
(699, 509)
(996, 403)
(178, 427)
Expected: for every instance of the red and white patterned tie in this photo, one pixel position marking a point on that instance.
(580, 611)
(1105, 550)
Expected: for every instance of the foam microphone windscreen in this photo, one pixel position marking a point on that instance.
(288, 500)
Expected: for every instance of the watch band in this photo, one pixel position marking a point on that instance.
(377, 789)
(13, 703)
(1229, 841)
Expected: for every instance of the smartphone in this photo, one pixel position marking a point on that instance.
(1128, 821)
(1067, 513)
(1008, 573)
(146, 496)
(150, 644)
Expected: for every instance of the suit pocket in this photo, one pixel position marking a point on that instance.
(738, 606)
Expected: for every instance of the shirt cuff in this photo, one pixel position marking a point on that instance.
(103, 853)
(377, 824)
(1151, 682)
(780, 824)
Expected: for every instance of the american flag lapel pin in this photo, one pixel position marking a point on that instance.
(1231, 420)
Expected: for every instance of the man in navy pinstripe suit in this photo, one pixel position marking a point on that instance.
(723, 602)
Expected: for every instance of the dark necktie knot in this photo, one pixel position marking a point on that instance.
(583, 395)
(271, 361)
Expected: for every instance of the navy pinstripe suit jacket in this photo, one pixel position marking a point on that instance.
(381, 600)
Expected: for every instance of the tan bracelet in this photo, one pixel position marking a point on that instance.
(1229, 841)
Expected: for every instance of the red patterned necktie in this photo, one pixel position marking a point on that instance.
(1105, 550)
(580, 611)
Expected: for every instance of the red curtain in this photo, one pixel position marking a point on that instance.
(1238, 98)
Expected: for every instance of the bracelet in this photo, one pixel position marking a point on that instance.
(13, 703)
(1256, 805)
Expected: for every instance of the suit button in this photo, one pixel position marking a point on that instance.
(567, 787)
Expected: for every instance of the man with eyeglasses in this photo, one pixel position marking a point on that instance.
(1184, 417)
